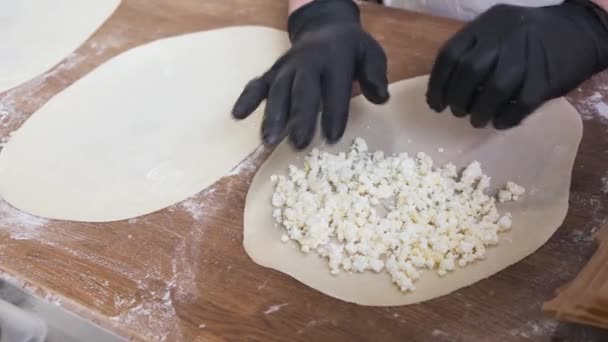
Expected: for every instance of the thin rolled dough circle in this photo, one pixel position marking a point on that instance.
(147, 129)
(539, 155)
(35, 35)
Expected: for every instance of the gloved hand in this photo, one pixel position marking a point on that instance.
(330, 50)
(511, 59)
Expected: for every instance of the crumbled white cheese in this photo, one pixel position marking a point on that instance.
(284, 237)
(511, 192)
(398, 214)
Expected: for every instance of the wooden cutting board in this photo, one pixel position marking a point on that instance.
(182, 273)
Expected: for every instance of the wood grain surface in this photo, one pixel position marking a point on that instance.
(181, 274)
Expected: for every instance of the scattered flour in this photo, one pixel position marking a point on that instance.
(317, 323)
(120, 302)
(52, 299)
(605, 184)
(193, 207)
(580, 236)
(7, 110)
(275, 308)
(438, 333)
(594, 105)
(19, 225)
(602, 109)
(5, 139)
(263, 285)
(544, 328)
(248, 164)
(187, 261)
(593, 204)
(157, 311)
(202, 326)
(107, 42)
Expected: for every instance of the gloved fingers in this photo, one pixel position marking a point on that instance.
(256, 91)
(276, 114)
(512, 115)
(371, 72)
(472, 70)
(336, 90)
(532, 91)
(444, 66)
(458, 112)
(305, 103)
(504, 83)
(253, 94)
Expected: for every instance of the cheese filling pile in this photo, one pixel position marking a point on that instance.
(398, 214)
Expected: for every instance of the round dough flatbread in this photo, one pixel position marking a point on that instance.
(147, 129)
(538, 155)
(37, 34)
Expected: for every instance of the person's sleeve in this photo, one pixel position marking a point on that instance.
(600, 12)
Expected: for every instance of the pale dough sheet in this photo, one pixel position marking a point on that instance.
(35, 35)
(143, 131)
(538, 155)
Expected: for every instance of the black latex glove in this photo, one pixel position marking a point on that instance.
(330, 50)
(511, 59)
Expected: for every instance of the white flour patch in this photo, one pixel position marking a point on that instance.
(7, 104)
(579, 236)
(263, 285)
(202, 326)
(193, 207)
(602, 109)
(439, 333)
(316, 323)
(158, 312)
(20, 225)
(593, 106)
(247, 165)
(274, 308)
(605, 184)
(69, 63)
(52, 299)
(121, 303)
(183, 274)
(9, 136)
(544, 328)
(187, 264)
(7, 110)
(111, 41)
